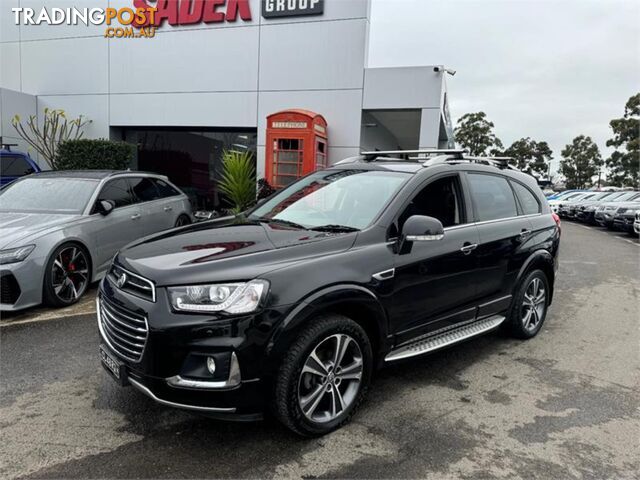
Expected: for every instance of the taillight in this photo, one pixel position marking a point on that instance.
(557, 220)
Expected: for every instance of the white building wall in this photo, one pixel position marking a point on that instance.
(215, 75)
(15, 103)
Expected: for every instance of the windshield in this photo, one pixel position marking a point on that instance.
(333, 198)
(600, 196)
(59, 195)
(623, 197)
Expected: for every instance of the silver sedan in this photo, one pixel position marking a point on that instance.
(60, 230)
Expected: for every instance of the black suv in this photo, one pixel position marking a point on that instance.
(294, 304)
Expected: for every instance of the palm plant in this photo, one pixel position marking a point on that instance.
(238, 181)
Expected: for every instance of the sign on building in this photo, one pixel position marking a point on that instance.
(291, 8)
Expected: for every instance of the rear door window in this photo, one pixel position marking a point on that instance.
(492, 197)
(528, 201)
(118, 192)
(165, 189)
(144, 189)
(14, 166)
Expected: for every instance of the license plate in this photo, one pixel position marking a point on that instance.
(113, 366)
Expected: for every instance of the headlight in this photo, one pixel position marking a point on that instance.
(14, 255)
(221, 297)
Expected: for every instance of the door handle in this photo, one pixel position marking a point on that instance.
(135, 216)
(524, 234)
(467, 248)
(168, 209)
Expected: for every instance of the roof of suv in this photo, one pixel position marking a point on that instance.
(415, 161)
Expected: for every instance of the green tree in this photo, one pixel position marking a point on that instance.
(530, 156)
(475, 133)
(581, 160)
(624, 162)
(238, 179)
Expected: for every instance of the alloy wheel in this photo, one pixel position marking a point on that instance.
(70, 274)
(330, 378)
(534, 304)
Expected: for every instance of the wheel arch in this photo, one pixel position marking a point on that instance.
(353, 301)
(543, 260)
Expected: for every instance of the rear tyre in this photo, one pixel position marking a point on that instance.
(529, 306)
(182, 221)
(324, 376)
(67, 275)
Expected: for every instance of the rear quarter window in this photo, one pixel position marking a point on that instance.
(14, 166)
(527, 199)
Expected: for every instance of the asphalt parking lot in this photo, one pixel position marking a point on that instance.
(564, 404)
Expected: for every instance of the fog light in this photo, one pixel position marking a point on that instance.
(211, 365)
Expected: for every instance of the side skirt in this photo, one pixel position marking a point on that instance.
(437, 340)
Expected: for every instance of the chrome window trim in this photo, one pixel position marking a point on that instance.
(485, 222)
(151, 395)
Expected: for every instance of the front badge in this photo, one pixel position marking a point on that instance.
(121, 280)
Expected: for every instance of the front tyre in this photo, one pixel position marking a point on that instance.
(324, 376)
(529, 307)
(67, 275)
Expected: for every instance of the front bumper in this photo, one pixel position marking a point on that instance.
(21, 284)
(604, 218)
(624, 223)
(171, 367)
(586, 216)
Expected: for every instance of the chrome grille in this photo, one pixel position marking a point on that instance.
(125, 331)
(132, 283)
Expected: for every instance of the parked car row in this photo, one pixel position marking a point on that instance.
(613, 210)
(61, 229)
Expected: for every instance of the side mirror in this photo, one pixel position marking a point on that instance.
(419, 228)
(105, 207)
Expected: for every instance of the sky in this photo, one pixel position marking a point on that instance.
(546, 69)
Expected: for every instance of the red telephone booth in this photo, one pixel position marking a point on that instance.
(296, 146)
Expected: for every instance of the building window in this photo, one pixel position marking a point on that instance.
(190, 158)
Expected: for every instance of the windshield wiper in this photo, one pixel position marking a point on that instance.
(334, 228)
(282, 222)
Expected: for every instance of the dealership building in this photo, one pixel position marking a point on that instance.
(287, 79)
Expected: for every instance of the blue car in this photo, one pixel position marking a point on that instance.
(558, 196)
(14, 165)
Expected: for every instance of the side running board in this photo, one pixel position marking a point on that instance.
(435, 341)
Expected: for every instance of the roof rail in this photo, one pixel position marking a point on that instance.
(499, 162)
(371, 155)
(431, 156)
(7, 146)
